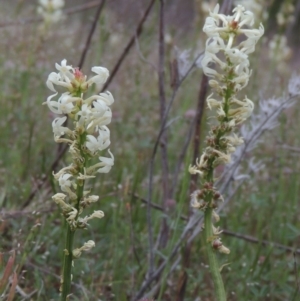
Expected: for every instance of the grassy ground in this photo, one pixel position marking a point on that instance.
(264, 207)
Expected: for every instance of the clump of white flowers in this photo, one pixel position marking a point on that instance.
(82, 124)
(89, 136)
(51, 10)
(226, 61)
(231, 40)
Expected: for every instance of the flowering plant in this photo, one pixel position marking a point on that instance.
(87, 136)
(226, 61)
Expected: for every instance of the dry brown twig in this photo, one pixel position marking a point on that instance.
(189, 226)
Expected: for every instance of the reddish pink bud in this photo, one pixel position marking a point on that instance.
(79, 76)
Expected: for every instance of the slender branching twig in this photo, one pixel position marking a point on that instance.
(130, 43)
(163, 233)
(150, 181)
(91, 33)
(151, 166)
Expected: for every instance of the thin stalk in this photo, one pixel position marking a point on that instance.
(89, 39)
(212, 258)
(208, 238)
(164, 228)
(68, 255)
(209, 235)
(67, 264)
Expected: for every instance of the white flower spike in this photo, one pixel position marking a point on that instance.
(82, 124)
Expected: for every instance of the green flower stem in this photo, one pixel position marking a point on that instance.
(212, 258)
(208, 238)
(208, 230)
(68, 255)
(67, 264)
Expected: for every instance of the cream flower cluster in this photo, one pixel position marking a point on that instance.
(222, 32)
(51, 10)
(86, 133)
(225, 60)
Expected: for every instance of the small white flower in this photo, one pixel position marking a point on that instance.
(222, 158)
(236, 56)
(104, 119)
(221, 112)
(216, 230)
(76, 253)
(86, 247)
(52, 78)
(59, 196)
(64, 181)
(107, 98)
(57, 127)
(99, 109)
(91, 199)
(216, 86)
(193, 170)
(202, 163)
(234, 139)
(85, 114)
(101, 142)
(83, 222)
(215, 216)
(55, 79)
(213, 103)
(195, 200)
(223, 249)
(100, 78)
(242, 112)
(72, 216)
(53, 105)
(248, 46)
(107, 163)
(97, 214)
(65, 71)
(104, 98)
(65, 103)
